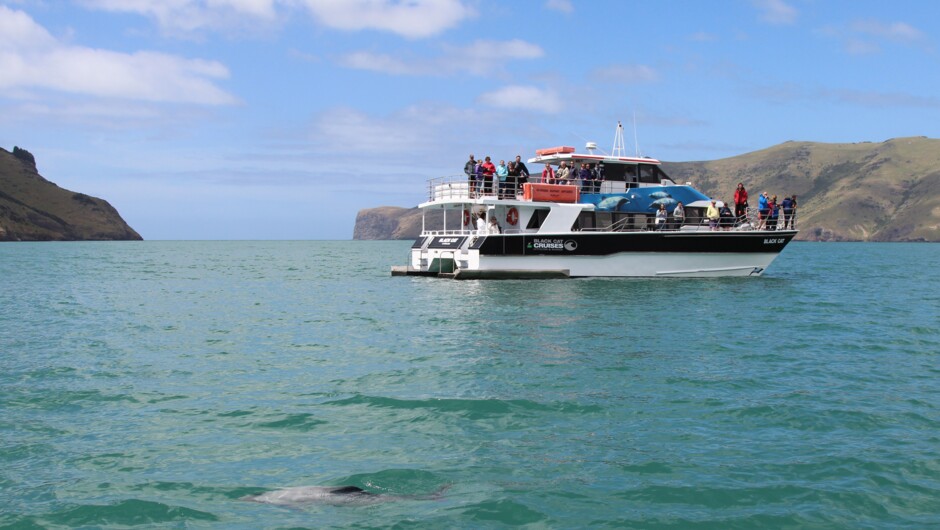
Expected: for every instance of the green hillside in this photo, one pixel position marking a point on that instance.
(34, 209)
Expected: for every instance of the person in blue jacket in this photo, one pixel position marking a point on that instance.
(762, 211)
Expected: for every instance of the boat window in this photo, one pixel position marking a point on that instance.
(620, 172)
(623, 220)
(660, 174)
(538, 217)
(585, 221)
(648, 174)
(603, 219)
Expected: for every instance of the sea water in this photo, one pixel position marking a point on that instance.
(155, 384)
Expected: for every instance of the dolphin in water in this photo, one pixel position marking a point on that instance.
(331, 495)
(659, 195)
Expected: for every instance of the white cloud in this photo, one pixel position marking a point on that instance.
(523, 98)
(408, 18)
(776, 11)
(703, 36)
(479, 58)
(896, 31)
(192, 15)
(866, 37)
(31, 58)
(628, 74)
(563, 6)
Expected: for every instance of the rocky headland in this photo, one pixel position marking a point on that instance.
(35, 209)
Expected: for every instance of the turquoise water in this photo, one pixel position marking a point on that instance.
(153, 384)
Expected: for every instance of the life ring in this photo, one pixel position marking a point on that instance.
(512, 216)
(466, 217)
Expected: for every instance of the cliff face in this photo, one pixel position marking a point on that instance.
(34, 209)
(888, 191)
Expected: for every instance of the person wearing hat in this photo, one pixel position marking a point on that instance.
(713, 215)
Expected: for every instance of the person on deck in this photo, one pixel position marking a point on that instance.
(470, 169)
(548, 174)
(493, 227)
(740, 201)
(661, 216)
(599, 176)
(713, 215)
(773, 214)
(678, 215)
(563, 174)
(762, 211)
(502, 174)
(523, 171)
(488, 171)
(586, 176)
(478, 177)
(787, 206)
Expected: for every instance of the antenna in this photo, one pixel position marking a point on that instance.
(618, 149)
(636, 141)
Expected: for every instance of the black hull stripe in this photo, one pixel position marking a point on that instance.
(607, 243)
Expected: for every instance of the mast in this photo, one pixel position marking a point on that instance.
(618, 149)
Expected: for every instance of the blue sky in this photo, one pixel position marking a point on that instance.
(280, 119)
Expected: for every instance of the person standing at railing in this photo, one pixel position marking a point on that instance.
(661, 215)
(713, 215)
(478, 177)
(488, 171)
(787, 206)
(762, 211)
(548, 174)
(562, 174)
(678, 214)
(599, 176)
(470, 169)
(774, 213)
(523, 171)
(586, 176)
(740, 202)
(502, 173)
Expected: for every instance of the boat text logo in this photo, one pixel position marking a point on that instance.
(569, 245)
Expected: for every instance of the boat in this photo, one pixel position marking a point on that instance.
(584, 228)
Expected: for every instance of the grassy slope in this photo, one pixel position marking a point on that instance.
(887, 191)
(34, 209)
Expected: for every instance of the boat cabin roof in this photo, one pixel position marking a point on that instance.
(642, 170)
(555, 155)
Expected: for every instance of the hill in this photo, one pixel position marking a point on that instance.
(888, 191)
(34, 209)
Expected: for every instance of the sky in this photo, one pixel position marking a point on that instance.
(281, 119)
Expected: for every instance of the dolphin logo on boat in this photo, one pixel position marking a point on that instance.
(612, 203)
(667, 202)
(659, 195)
(333, 496)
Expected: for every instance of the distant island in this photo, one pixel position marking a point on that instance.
(888, 191)
(34, 209)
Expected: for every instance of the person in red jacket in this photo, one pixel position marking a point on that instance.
(548, 174)
(488, 170)
(740, 201)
